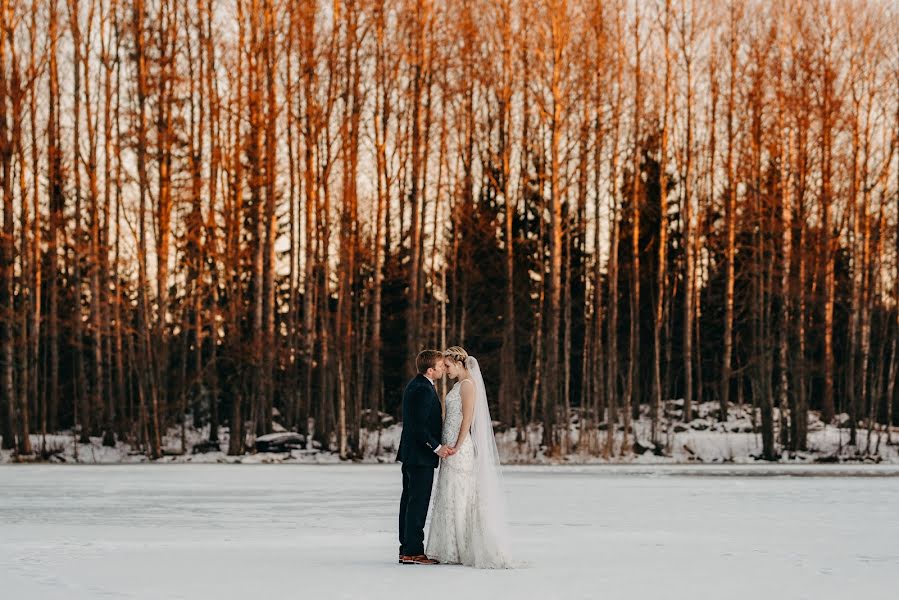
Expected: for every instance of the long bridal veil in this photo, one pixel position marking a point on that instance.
(493, 549)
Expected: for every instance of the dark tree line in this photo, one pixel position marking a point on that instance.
(231, 213)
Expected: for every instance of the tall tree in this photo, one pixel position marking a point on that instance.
(735, 12)
(661, 281)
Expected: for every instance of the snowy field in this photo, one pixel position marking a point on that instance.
(160, 532)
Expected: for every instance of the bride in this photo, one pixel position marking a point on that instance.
(468, 516)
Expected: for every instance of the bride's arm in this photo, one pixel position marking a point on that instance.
(467, 391)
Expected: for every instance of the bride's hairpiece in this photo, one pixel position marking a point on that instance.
(457, 353)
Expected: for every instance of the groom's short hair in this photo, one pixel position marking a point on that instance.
(426, 359)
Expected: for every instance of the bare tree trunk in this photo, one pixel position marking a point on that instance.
(761, 272)
(147, 384)
(894, 360)
(418, 77)
(7, 243)
(122, 416)
(36, 294)
(381, 124)
(95, 396)
(661, 282)
(612, 373)
(826, 100)
(24, 379)
(870, 263)
(348, 233)
(81, 402)
(211, 241)
(711, 199)
(310, 184)
(508, 390)
(730, 211)
(109, 58)
(632, 391)
(255, 168)
(50, 417)
(688, 31)
(165, 141)
(559, 29)
(786, 188)
(594, 396)
(270, 223)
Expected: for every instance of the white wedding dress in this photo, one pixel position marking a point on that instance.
(467, 516)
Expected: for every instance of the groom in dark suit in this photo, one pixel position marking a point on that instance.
(419, 451)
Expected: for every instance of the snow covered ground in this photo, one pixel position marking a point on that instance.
(704, 440)
(328, 531)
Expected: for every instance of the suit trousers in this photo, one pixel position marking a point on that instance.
(417, 484)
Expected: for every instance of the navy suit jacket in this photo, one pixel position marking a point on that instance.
(422, 424)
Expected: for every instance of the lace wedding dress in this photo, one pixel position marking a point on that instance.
(467, 517)
(454, 497)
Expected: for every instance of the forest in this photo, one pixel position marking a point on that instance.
(237, 214)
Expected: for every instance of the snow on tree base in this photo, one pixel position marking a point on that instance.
(702, 440)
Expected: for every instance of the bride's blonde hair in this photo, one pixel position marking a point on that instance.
(456, 354)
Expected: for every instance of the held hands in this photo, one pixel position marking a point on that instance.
(446, 451)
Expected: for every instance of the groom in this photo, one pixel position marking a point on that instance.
(419, 451)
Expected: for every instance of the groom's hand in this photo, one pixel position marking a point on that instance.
(443, 452)
(450, 450)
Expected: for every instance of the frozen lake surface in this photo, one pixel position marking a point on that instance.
(161, 532)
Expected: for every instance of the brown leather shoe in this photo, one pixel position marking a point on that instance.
(421, 559)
